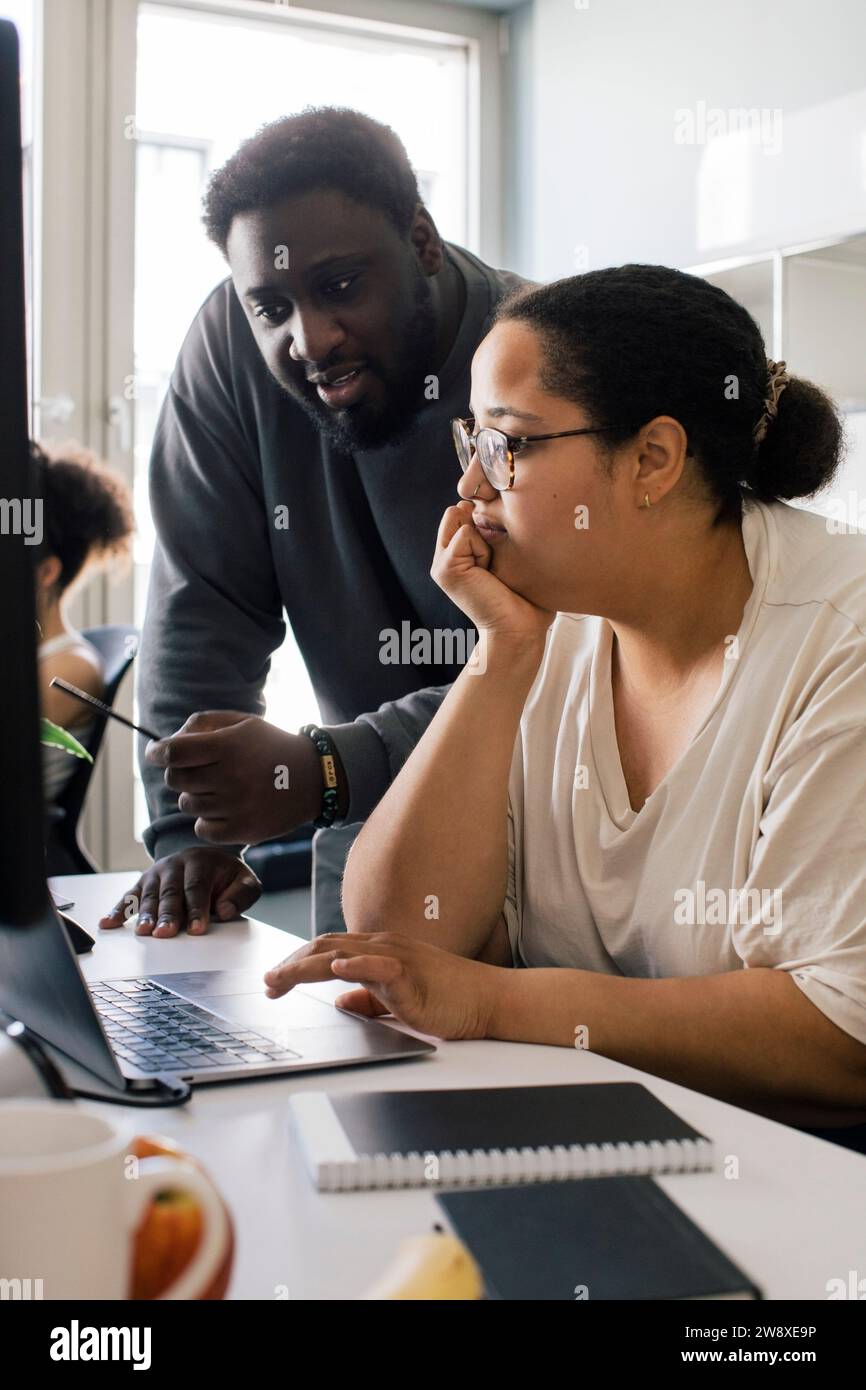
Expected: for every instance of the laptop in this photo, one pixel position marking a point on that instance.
(157, 1034)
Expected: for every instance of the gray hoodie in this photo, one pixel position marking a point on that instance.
(235, 459)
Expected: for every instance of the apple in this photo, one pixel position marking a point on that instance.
(170, 1232)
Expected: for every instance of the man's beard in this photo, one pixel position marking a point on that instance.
(363, 428)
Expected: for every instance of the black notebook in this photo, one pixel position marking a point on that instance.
(507, 1134)
(622, 1238)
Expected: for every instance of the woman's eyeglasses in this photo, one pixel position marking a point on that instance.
(497, 451)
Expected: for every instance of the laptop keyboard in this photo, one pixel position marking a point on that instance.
(158, 1031)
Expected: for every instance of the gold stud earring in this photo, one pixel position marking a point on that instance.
(646, 501)
(475, 493)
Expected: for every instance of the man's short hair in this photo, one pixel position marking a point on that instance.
(322, 147)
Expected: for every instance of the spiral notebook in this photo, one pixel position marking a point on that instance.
(507, 1134)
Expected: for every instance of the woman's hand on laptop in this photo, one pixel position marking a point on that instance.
(461, 566)
(442, 994)
(185, 890)
(242, 778)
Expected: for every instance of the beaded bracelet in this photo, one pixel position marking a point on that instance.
(331, 794)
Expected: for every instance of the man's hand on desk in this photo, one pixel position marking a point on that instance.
(243, 779)
(445, 995)
(185, 890)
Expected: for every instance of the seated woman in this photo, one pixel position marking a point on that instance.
(87, 521)
(649, 784)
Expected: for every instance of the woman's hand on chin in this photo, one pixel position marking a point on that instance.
(461, 566)
(444, 995)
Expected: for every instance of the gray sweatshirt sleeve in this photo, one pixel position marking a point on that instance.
(374, 747)
(214, 611)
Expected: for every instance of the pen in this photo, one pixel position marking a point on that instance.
(103, 708)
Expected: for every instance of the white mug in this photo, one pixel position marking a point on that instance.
(69, 1207)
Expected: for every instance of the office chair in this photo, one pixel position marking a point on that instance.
(65, 854)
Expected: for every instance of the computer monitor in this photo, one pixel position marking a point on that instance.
(22, 884)
(40, 982)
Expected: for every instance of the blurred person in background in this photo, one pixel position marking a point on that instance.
(87, 525)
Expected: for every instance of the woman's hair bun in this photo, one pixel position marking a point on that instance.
(802, 449)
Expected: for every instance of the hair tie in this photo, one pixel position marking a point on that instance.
(778, 380)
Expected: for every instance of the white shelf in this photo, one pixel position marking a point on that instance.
(809, 301)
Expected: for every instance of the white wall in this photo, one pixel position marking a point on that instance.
(594, 162)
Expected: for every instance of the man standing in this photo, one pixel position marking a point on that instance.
(302, 461)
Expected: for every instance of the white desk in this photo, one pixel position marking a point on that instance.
(792, 1219)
